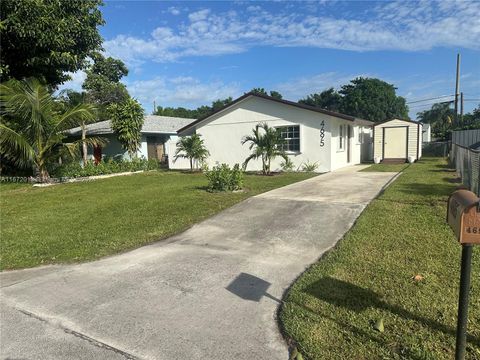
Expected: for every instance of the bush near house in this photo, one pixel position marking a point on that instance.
(109, 166)
(224, 178)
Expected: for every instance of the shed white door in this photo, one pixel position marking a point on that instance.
(395, 143)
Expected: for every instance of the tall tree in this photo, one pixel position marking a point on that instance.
(372, 99)
(276, 94)
(440, 116)
(259, 91)
(191, 148)
(328, 99)
(265, 142)
(218, 104)
(102, 85)
(71, 99)
(197, 113)
(262, 91)
(36, 135)
(127, 122)
(47, 39)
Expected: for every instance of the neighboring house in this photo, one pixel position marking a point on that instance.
(397, 140)
(158, 135)
(426, 133)
(312, 134)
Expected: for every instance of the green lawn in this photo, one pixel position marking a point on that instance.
(331, 309)
(386, 167)
(84, 221)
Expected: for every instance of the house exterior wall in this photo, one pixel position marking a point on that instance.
(114, 149)
(170, 149)
(414, 137)
(224, 131)
(426, 133)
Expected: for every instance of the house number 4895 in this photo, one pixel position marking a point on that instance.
(322, 133)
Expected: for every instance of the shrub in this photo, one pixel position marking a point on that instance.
(287, 165)
(309, 167)
(222, 178)
(106, 166)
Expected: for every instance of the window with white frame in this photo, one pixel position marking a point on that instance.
(291, 136)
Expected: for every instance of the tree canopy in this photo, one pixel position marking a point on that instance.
(47, 39)
(262, 91)
(441, 117)
(366, 98)
(102, 84)
(197, 113)
(328, 99)
(372, 99)
(127, 122)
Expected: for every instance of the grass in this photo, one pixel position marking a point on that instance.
(85, 221)
(331, 309)
(386, 167)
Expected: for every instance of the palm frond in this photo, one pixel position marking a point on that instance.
(80, 114)
(15, 147)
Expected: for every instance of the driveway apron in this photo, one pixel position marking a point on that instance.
(211, 292)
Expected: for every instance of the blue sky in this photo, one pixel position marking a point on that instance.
(191, 53)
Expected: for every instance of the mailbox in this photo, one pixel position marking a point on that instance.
(463, 216)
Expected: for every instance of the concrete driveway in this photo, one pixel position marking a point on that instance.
(211, 292)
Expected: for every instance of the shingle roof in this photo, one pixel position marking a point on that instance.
(151, 124)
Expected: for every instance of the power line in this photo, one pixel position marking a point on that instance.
(434, 98)
(429, 104)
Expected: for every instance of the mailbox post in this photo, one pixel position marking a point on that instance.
(463, 216)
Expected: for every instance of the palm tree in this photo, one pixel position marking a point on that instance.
(71, 99)
(266, 143)
(440, 116)
(32, 125)
(192, 148)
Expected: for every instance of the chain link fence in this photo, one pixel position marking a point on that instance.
(467, 164)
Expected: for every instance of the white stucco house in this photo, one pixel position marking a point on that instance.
(313, 135)
(159, 136)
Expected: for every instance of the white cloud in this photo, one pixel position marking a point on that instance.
(173, 10)
(199, 15)
(254, 8)
(408, 26)
(183, 91)
(77, 79)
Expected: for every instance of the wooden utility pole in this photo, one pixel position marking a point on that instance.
(457, 88)
(154, 107)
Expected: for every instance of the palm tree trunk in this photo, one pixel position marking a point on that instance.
(84, 144)
(191, 164)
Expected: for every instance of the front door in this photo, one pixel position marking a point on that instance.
(155, 148)
(395, 143)
(97, 154)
